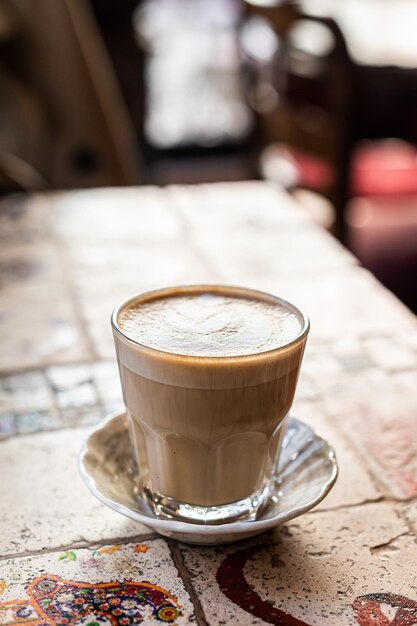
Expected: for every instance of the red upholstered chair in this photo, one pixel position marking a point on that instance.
(381, 218)
(384, 168)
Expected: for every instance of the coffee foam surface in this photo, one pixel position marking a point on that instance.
(210, 325)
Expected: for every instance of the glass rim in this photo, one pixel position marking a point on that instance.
(201, 288)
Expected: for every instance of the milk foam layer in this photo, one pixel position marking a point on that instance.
(210, 324)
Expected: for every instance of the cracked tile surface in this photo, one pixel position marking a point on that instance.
(66, 259)
(45, 504)
(318, 569)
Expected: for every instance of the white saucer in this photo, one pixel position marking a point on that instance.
(307, 471)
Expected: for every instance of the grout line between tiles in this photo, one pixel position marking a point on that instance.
(185, 576)
(78, 545)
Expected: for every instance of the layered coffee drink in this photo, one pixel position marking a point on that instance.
(208, 376)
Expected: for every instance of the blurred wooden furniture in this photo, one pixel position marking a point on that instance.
(62, 119)
(310, 122)
(381, 42)
(115, 21)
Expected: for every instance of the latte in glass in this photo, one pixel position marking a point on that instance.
(208, 376)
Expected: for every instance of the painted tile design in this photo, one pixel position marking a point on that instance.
(65, 558)
(341, 568)
(113, 584)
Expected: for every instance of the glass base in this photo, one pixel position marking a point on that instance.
(168, 508)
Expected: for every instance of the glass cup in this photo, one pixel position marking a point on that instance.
(206, 431)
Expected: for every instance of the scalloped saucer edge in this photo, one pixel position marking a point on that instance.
(306, 472)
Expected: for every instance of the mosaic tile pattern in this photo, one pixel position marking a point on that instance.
(65, 261)
(61, 396)
(276, 578)
(112, 584)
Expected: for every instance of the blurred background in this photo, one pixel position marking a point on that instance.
(319, 96)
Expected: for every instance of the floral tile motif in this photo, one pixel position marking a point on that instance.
(135, 583)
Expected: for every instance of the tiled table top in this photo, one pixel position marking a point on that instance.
(65, 261)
